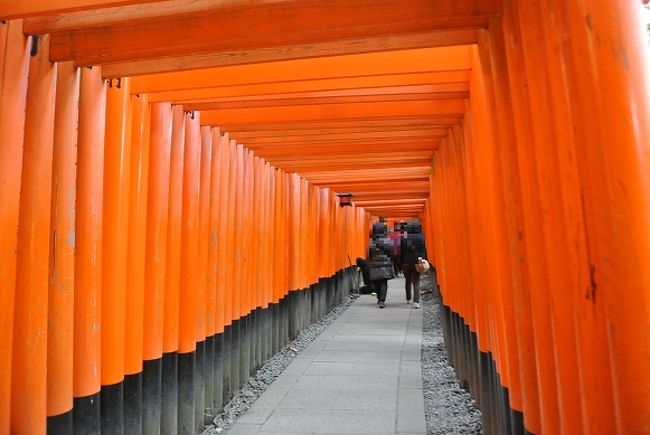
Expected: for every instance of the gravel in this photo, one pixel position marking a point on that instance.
(257, 384)
(449, 409)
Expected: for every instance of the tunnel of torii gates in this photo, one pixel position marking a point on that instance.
(169, 218)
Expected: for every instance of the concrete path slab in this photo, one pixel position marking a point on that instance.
(363, 375)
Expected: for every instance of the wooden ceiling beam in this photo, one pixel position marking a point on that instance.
(353, 156)
(280, 102)
(311, 133)
(333, 112)
(381, 187)
(115, 12)
(406, 194)
(424, 89)
(335, 166)
(303, 51)
(259, 26)
(393, 122)
(10, 9)
(182, 91)
(325, 150)
(339, 177)
(451, 63)
(385, 203)
(430, 133)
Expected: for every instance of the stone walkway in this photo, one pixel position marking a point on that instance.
(363, 375)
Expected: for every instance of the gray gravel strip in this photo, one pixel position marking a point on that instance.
(257, 384)
(449, 409)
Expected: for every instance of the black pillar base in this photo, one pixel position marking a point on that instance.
(151, 396)
(60, 424)
(86, 415)
(133, 404)
(186, 395)
(169, 395)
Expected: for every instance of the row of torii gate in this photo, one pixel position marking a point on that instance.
(169, 215)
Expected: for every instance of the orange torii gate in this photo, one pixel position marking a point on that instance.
(169, 219)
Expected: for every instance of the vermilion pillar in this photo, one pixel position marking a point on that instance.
(88, 255)
(14, 64)
(61, 296)
(29, 359)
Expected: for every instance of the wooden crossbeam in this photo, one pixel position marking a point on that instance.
(116, 11)
(304, 51)
(429, 133)
(333, 112)
(354, 156)
(315, 132)
(259, 26)
(439, 90)
(451, 63)
(343, 99)
(226, 87)
(296, 151)
(27, 8)
(397, 122)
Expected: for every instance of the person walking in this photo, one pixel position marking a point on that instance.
(380, 261)
(412, 249)
(396, 237)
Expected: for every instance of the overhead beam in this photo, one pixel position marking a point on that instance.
(333, 112)
(430, 133)
(338, 177)
(310, 133)
(303, 51)
(384, 187)
(397, 89)
(334, 166)
(10, 9)
(183, 90)
(270, 153)
(260, 26)
(389, 202)
(354, 156)
(452, 62)
(279, 102)
(128, 11)
(403, 193)
(400, 122)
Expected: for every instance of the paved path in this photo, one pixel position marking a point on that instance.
(361, 376)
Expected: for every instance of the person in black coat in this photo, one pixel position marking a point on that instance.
(412, 248)
(380, 261)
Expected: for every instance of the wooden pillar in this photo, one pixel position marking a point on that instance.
(14, 67)
(29, 359)
(88, 255)
(61, 295)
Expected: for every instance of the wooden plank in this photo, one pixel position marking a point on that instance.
(184, 90)
(267, 25)
(445, 60)
(430, 133)
(128, 12)
(353, 156)
(359, 147)
(339, 177)
(303, 51)
(403, 122)
(25, 8)
(379, 186)
(267, 102)
(357, 90)
(393, 193)
(313, 133)
(334, 112)
(302, 169)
